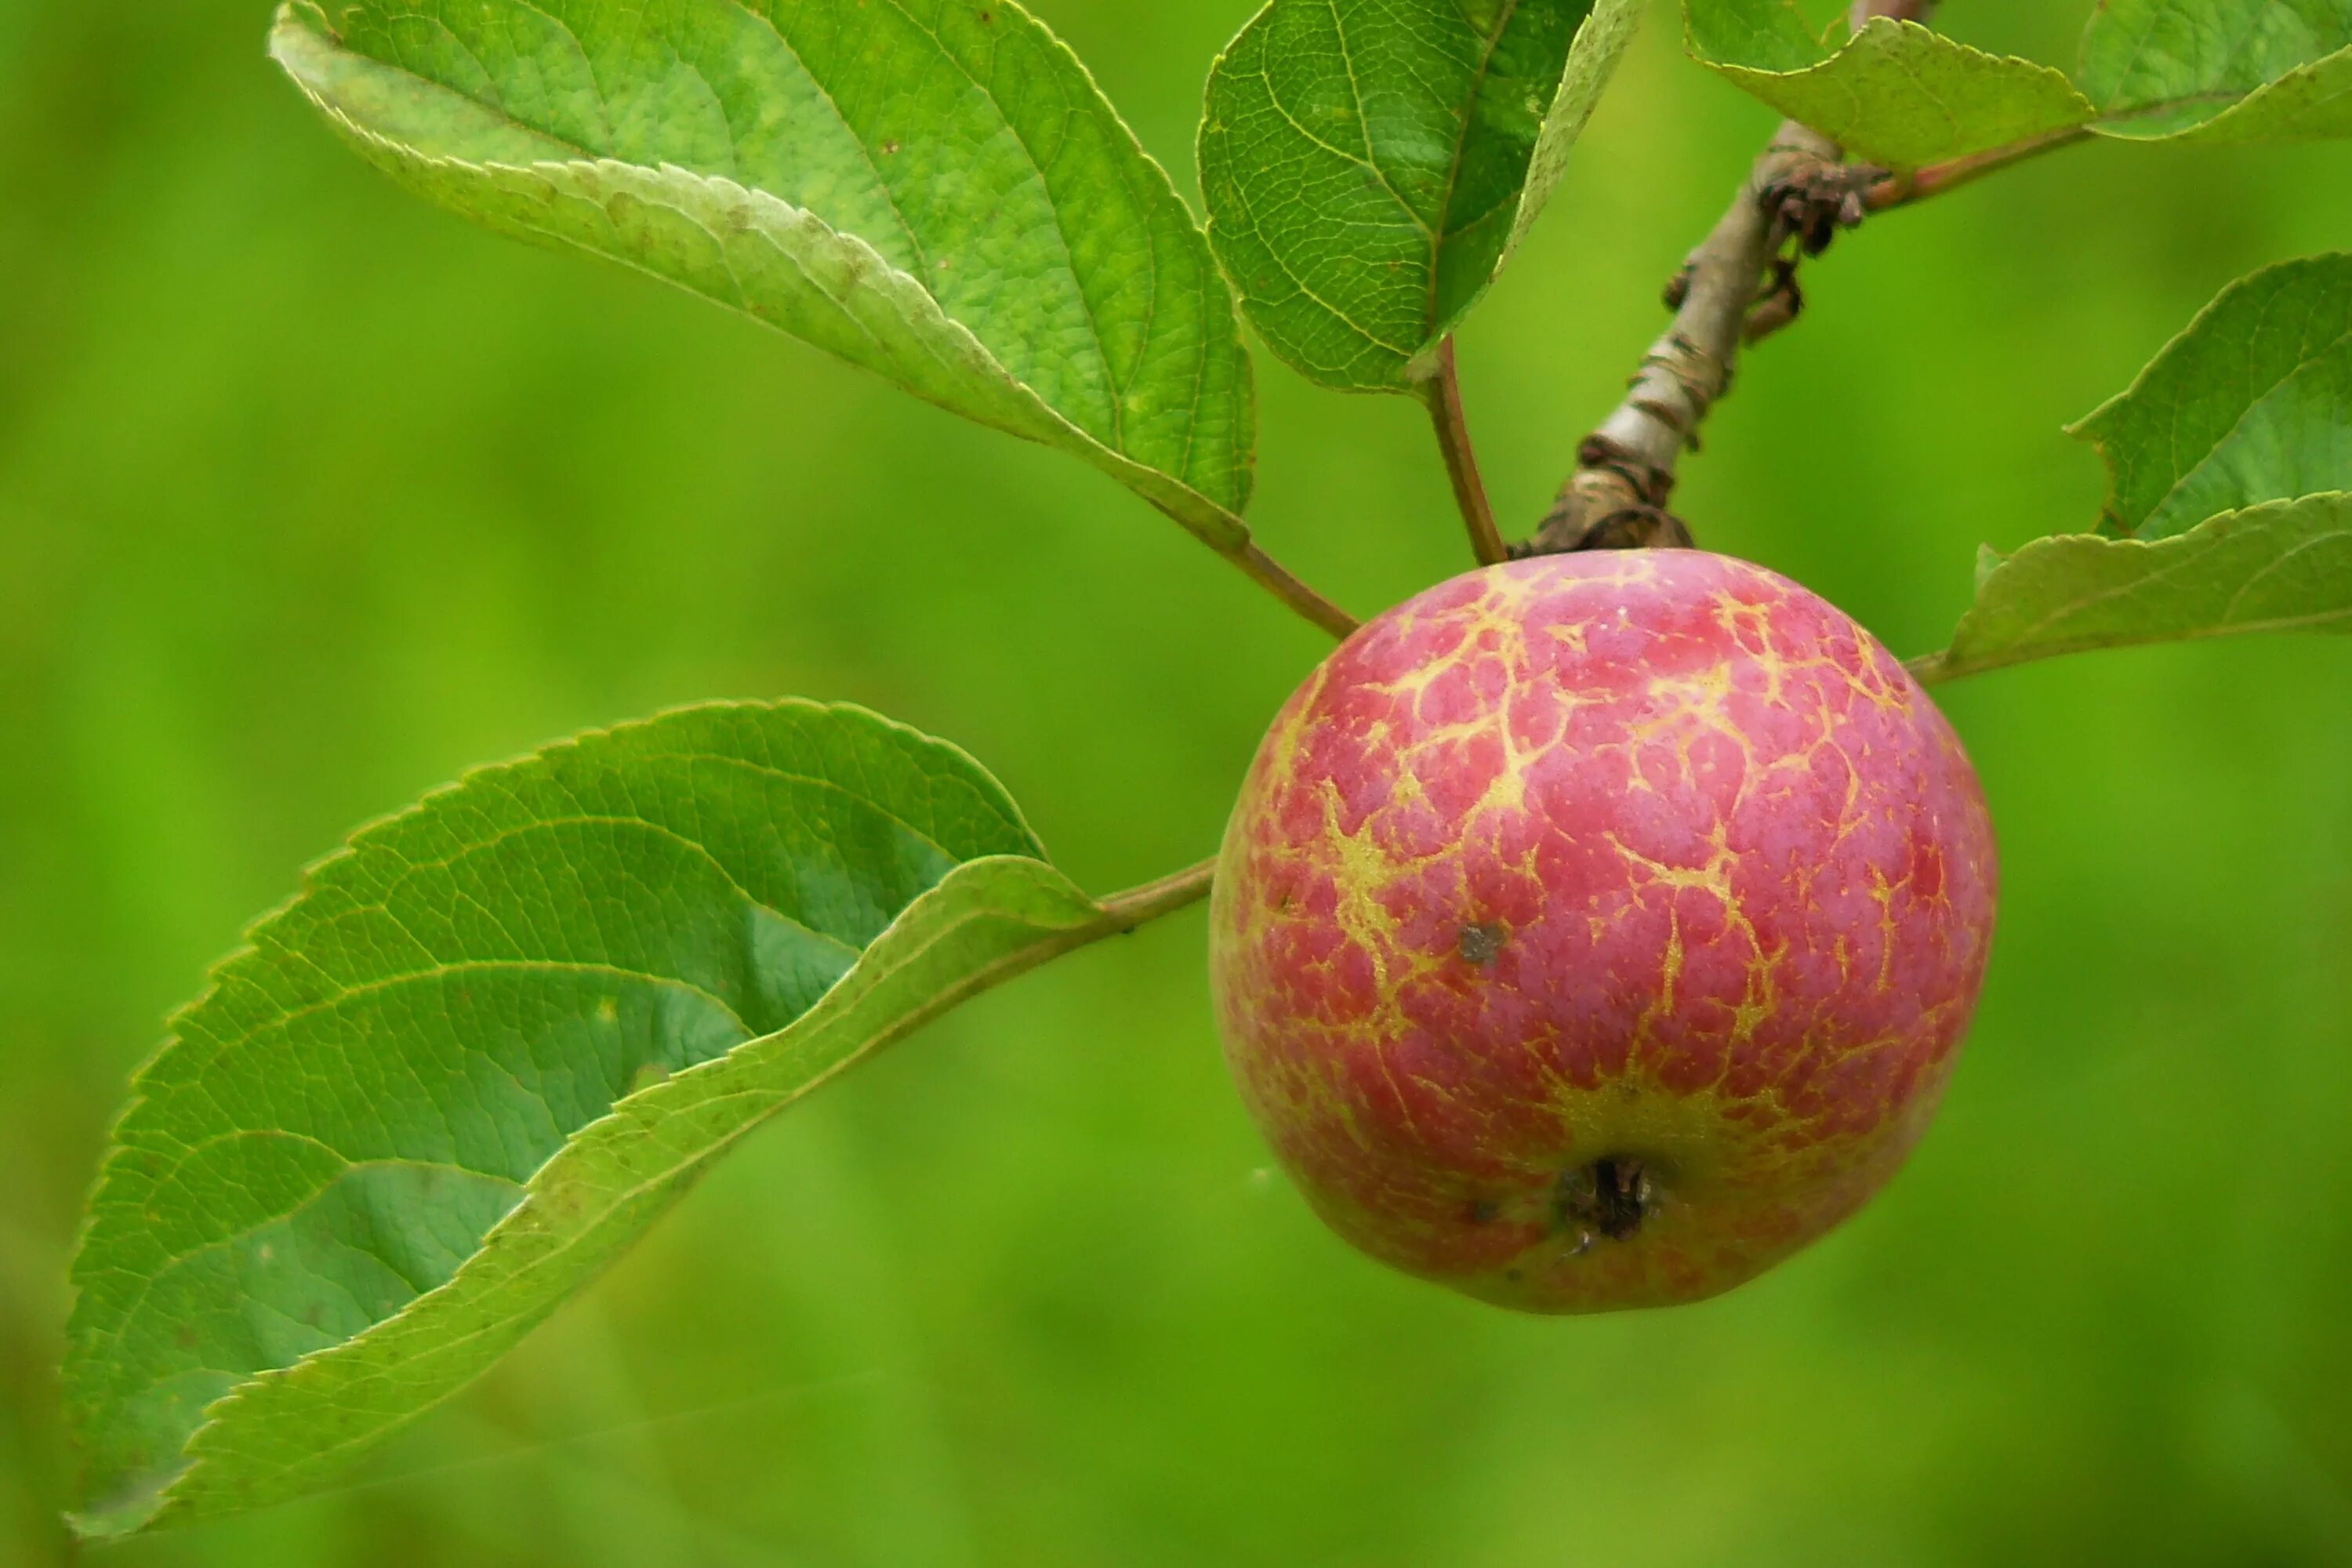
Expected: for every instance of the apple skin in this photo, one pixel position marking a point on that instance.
(1595, 930)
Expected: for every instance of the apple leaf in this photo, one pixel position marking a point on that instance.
(1369, 165)
(2252, 404)
(492, 1040)
(2282, 566)
(932, 189)
(1900, 94)
(2229, 497)
(1895, 92)
(2220, 70)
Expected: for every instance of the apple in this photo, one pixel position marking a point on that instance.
(1596, 931)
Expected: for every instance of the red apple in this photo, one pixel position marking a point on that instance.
(1596, 931)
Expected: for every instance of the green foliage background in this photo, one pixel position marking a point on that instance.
(310, 496)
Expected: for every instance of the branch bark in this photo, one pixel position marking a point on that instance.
(1616, 500)
(1795, 199)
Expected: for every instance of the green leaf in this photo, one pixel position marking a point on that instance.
(493, 1039)
(1901, 95)
(2221, 70)
(932, 189)
(2252, 404)
(2284, 566)
(1896, 94)
(2229, 501)
(1369, 165)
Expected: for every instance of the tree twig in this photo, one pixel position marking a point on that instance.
(1795, 199)
(1625, 469)
(1443, 393)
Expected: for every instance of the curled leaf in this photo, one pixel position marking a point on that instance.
(493, 1040)
(931, 189)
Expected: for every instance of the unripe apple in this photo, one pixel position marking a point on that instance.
(1595, 930)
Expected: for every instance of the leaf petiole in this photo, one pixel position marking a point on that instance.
(1935, 179)
(1278, 580)
(1443, 393)
(1139, 905)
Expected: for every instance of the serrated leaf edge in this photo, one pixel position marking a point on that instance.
(1945, 666)
(2219, 129)
(1880, 26)
(94, 1524)
(1607, 31)
(181, 1497)
(2089, 426)
(1215, 524)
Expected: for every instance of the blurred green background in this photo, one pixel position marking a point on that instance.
(311, 495)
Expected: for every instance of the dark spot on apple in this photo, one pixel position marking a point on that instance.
(1481, 944)
(1483, 1212)
(1610, 1196)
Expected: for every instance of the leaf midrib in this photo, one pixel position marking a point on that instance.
(1363, 125)
(1061, 231)
(2255, 406)
(1445, 232)
(115, 1337)
(2189, 558)
(1274, 252)
(381, 903)
(279, 1025)
(2142, 46)
(978, 979)
(410, 867)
